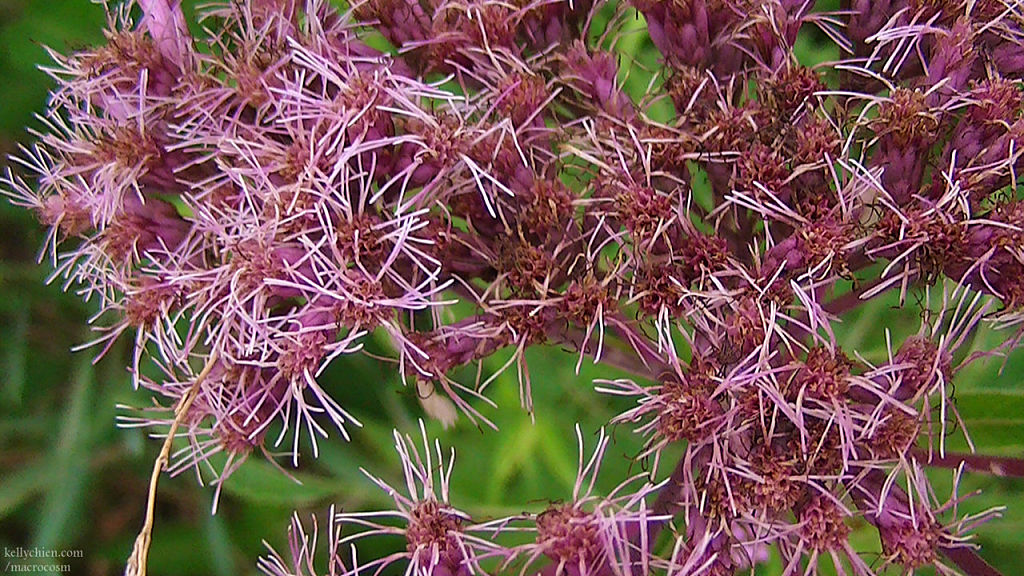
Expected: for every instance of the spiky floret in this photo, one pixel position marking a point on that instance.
(439, 538)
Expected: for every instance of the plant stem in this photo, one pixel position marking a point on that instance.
(968, 560)
(1001, 466)
(611, 355)
(140, 552)
(849, 300)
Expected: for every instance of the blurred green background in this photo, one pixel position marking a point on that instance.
(70, 480)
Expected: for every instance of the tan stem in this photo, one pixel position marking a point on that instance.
(140, 552)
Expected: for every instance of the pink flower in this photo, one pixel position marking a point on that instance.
(440, 539)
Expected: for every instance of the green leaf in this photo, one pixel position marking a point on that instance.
(515, 452)
(174, 551)
(260, 482)
(62, 25)
(219, 543)
(994, 416)
(21, 485)
(15, 344)
(559, 457)
(70, 471)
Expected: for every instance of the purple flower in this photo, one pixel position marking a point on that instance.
(263, 198)
(594, 534)
(439, 539)
(302, 548)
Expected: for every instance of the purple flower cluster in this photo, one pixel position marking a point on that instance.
(254, 202)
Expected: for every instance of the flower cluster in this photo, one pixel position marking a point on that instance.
(587, 535)
(252, 203)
